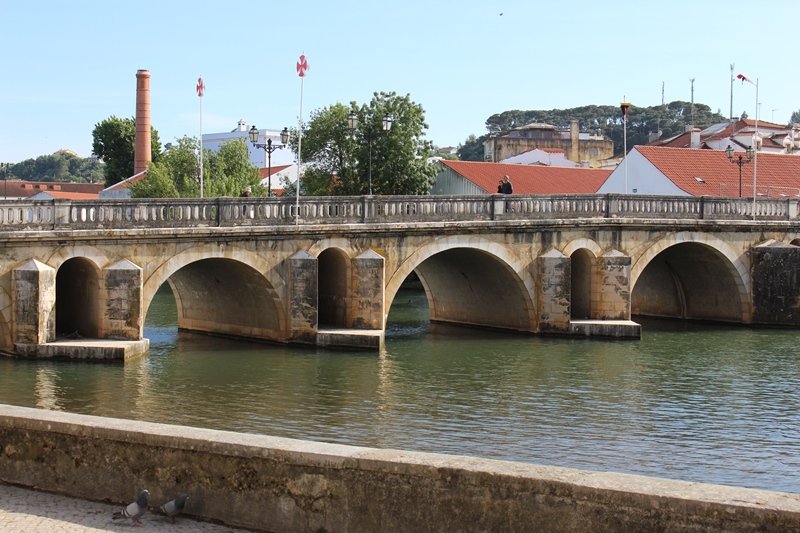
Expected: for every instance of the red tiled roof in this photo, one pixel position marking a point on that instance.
(273, 170)
(778, 174)
(65, 195)
(24, 189)
(531, 179)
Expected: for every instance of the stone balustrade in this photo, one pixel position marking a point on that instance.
(19, 215)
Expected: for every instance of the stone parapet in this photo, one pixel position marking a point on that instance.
(106, 214)
(285, 485)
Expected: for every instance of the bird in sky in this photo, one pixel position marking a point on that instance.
(174, 507)
(134, 510)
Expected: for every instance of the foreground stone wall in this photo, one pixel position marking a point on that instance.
(285, 485)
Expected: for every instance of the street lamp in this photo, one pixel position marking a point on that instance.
(5, 180)
(740, 161)
(269, 148)
(386, 125)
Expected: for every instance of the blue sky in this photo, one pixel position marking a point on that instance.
(68, 65)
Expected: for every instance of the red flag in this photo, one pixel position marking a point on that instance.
(744, 79)
(302, 66)
(200, 87)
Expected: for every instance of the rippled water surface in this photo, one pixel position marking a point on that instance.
(703, 403)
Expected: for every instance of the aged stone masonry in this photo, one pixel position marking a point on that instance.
(327, 275)
(286, 485)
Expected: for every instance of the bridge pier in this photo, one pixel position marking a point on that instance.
(776, 276)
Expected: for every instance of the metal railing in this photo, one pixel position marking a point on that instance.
(19, 215)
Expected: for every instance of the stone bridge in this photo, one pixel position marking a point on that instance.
(325, 270)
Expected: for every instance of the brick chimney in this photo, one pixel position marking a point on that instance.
(142, 151)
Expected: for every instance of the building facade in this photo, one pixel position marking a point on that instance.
(581, 147)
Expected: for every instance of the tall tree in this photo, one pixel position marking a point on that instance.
(113, 140)
(62, 165)
(472, 149)
(340, 161)
(225, 173)
(795, 118)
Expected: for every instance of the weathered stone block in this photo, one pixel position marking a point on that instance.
(303, 297)
(366, 303)
(34, 302)
(613, 291)
(121, 300)
(553, 291)
(776, 283)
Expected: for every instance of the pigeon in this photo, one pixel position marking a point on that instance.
(173, 508)
(135, 510)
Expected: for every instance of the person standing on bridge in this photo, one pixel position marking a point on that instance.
(505, 186)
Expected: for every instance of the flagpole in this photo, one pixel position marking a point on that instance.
(755, 155)
(200, 90)
(302, 66)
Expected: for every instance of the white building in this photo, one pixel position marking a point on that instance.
(258, 156)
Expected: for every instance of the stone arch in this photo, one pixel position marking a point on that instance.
(582, 279)
(78, 312)
(704, 264)
(582, 243)
(224, 290)
(333, 287)
(65, 253)
(492, 288)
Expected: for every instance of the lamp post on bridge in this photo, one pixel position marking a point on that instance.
(5, 179)
(268, 147)
(369, 135)
(739, 161)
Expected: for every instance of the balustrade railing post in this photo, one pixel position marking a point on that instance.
(61, 212)
(367, 203)
(218, 215)
(614, 206)
(702, 208)
(792, 208)
(498, 205)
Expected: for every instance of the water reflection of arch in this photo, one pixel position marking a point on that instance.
(583, 254)
(224, 290)
(691, 275)
(477, 282)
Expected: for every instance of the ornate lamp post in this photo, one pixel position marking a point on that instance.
(369, 135)
(740, 161)
(269, 148)
(5, 179)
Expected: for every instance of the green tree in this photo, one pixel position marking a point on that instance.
(795, 118)
(63, 166)
(226, 173)
(338, 159)
(113, 140)
(472, 149)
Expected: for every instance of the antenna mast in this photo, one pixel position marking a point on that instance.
(731, 92)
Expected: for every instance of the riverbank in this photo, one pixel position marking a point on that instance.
(31, 511)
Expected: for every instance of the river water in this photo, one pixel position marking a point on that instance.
(717, 404)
